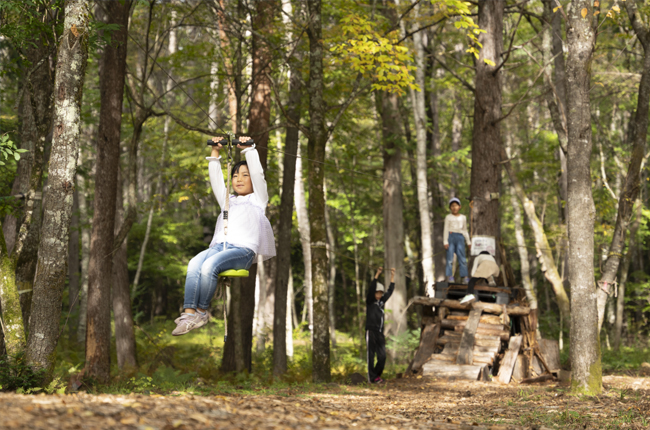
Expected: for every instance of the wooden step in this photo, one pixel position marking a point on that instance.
(481, 340)
(443, 369)
(453, 324)
(480, 349)
(450, 353)
(485, 319)
(478, 359)
(502, 334)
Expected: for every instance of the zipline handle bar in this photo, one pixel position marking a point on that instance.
(235, 141)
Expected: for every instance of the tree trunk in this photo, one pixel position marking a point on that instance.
(331, 279)
(50, 273)
(289, 178)
(260, 286)
(388, 107)
(73, 268)
(637, 135)
(305, 238)
(486, 140)
(100, 268)
(419, 112)
(85, 257)
(12, 318)
(290, 312)
(122, 314)
(586, 372)
(316, 152)
(620, 300)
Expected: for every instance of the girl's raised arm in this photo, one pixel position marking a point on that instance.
(216, 180)
(257, 174)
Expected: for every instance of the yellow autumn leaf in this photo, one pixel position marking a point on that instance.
(616, 8)
(596, 13)
(596, 3)
(583, 12)
(555, 9)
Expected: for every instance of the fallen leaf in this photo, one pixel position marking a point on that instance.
(200, 418)
(584, 12)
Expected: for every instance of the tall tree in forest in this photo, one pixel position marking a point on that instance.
(57, 205)
(318, 137)
(485, 182)
(293, 110)
(387, 105)
(638, 133)
(586, 372)
(112, 69)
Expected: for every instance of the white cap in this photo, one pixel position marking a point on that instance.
(454, 200)
(380, 287)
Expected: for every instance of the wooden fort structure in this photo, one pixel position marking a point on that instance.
(494, 336)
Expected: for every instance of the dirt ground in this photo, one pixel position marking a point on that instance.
(416, 403)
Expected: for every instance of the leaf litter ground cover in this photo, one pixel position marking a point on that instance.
(413, 403)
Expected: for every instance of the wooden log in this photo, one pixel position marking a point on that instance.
(477, 359)
(466, 350)
(485, 319)
(481, 339)
(427, 347)
(509, 360)
(452, 324)
(443, 369)
(502, 334)
(492, 308)
(521, 368)
(478, 349)
(550, 350)
(485, 288)
(543, 378)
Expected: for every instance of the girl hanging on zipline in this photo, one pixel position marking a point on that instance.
(238, 239)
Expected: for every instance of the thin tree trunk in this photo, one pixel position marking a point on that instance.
(122, 314)
(289, 312)
(485, 182)
(586, 372)
(85, 257)
(316, 145)
(260, 309)
(419, 112)
(305, 239)
(620, 300)
(290, 176)
(100, 267)
(331, 280)
(637, 136)
(50, 273)
(73, 268)
(12, 318)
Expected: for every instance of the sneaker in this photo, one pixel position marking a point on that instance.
(468, 298)
(378, 380)
(451, 279)
(188, 322)
(466, 280)
(492, 282)
(177, 320)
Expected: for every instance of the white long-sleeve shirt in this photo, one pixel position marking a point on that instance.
(455, 224)
(248, 226)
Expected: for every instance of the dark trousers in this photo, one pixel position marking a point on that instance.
(472, 282)
(376, 344)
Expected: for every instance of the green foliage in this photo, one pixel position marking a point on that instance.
(8, 150)
(16, 374)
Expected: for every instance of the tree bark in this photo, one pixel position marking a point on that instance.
(331, 279)
(85, 257)
(289, 178)
(100, 268)
(638, 133)
(419, 112)
(12, 318)
(305, 239)
(316, 151)
(586, 372)
(387, 105)
(51, 268)
(485, 183)
(74, 267)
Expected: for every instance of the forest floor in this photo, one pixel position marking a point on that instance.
(413, 403)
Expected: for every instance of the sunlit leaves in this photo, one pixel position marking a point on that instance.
(368, 52)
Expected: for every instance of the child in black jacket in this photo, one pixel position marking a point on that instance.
(375, 341)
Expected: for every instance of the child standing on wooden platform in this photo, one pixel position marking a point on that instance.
(375, 340)
(455, 238)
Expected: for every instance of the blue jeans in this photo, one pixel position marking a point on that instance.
(203, 272)
(456, 246)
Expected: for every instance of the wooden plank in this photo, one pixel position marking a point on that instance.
(477, 359)
(550, 350)
(480, 339)
(509, 360)
(502, 334)
(442, 369)
(427, 346)
(485, 319)
(478, 349)
(492, 308)
(466, 350)
(521, 368)
(452, 324)
(485, 288)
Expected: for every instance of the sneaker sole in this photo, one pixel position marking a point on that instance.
(199, 325)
